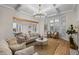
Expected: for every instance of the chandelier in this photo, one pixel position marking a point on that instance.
(39, 13)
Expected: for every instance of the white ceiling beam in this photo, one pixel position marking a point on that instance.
(61, 13)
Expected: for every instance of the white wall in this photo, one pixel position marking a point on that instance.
(73, 18)
(77, 23)
(6, 15)
(41, 26)
(70, 19)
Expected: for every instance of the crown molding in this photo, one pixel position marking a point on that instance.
(61, 13)
(7, 7)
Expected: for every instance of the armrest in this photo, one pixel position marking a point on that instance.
(35, 53)
(26, 51)
(18, 46)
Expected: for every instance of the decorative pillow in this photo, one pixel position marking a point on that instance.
(21, 39)
(28, 37)
(12, 41)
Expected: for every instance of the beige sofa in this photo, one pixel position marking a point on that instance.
(10, 47)
(28, 38)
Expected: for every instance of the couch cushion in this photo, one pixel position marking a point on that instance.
(16, 47)
(28, 36)
(4, 48)
(26, 51)
(20, 39)
(5, 51)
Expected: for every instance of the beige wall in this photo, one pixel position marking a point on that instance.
(6, 15)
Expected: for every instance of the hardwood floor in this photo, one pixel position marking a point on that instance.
(63, 48)
(54, 47)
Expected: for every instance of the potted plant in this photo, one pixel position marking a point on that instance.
(70, 32)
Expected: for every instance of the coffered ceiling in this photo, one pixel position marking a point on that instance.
(49, 9)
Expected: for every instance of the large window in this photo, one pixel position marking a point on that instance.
(54, 24)
(24, 27)
(17, 27)
(58, 24)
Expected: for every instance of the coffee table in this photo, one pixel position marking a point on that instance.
(41, 42)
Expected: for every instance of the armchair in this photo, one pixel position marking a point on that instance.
(55, 35)
(14, 46)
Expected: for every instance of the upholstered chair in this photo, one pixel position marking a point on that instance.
(14, 46)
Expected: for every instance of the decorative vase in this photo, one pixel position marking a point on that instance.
(72, 43)
(41, 37)
(71, 40)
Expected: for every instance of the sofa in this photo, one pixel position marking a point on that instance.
(11, 47)
(28, 38)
